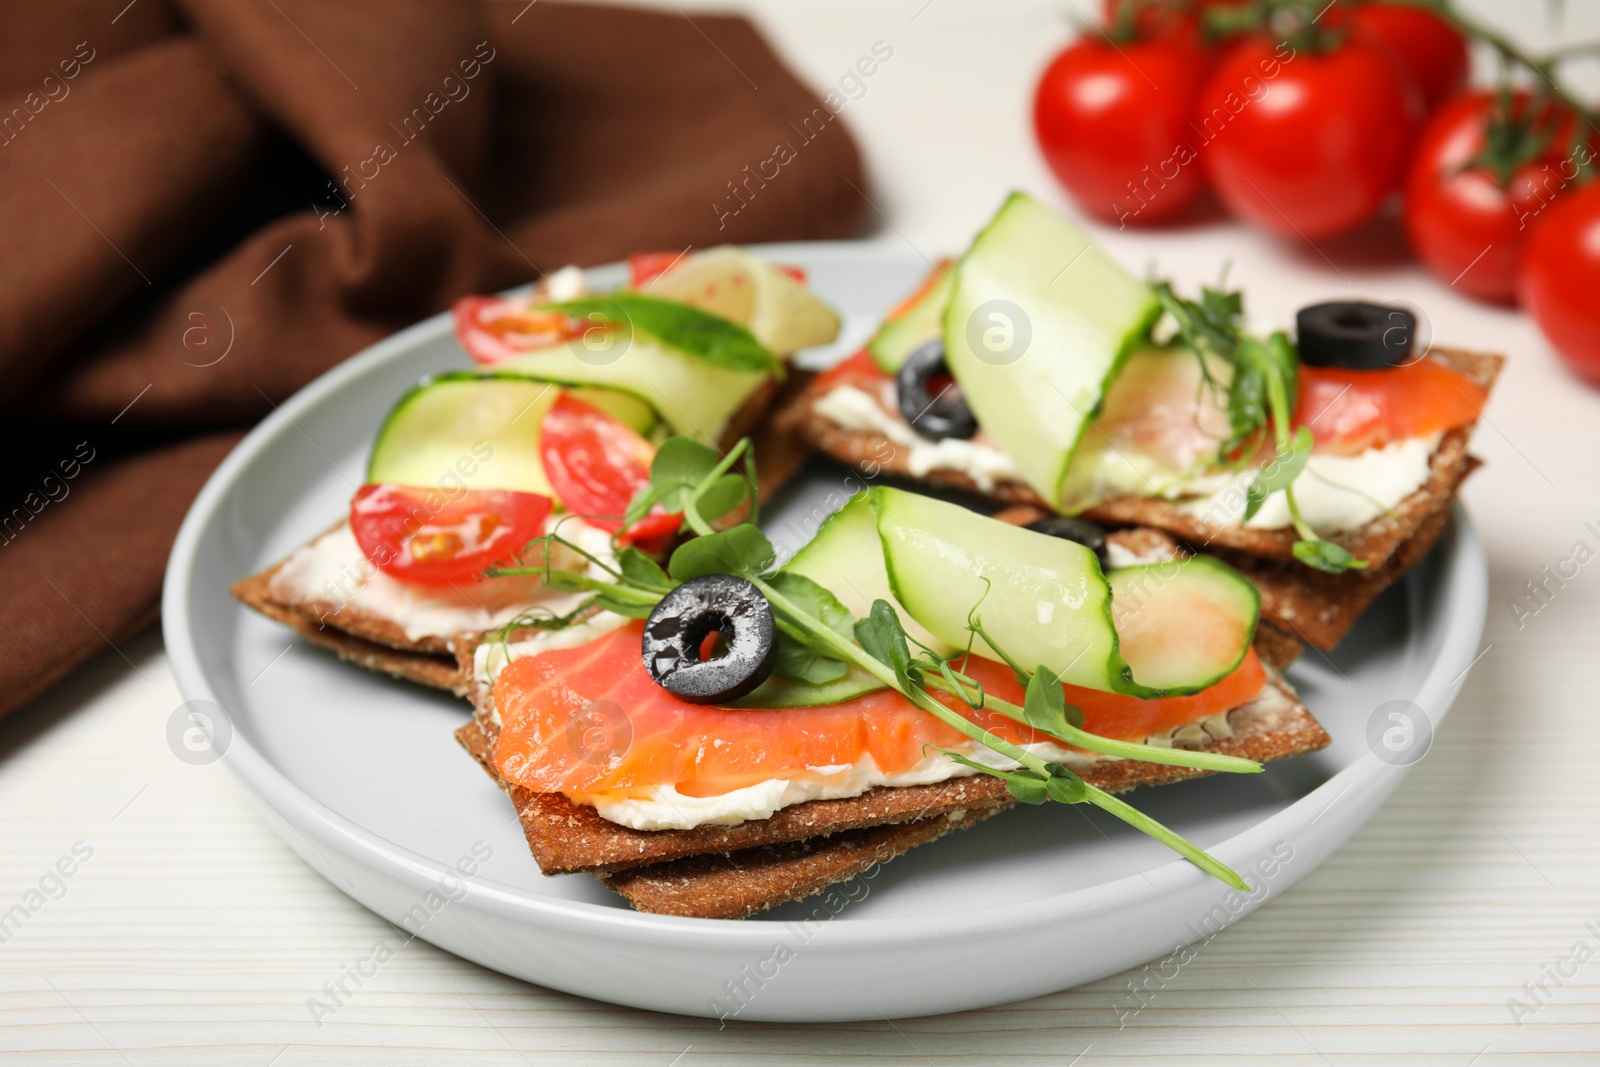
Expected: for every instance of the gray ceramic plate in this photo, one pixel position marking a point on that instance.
(360, 775)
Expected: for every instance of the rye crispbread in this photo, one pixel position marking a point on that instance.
(433, 669)
(1374, 542)
(737, 871)
(1298, 604)
(740, 884)
(566, 837)
(380, 644)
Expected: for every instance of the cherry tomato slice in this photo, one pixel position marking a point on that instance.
(596, 465)
(644, 267)
(430, 537)
(493, 328)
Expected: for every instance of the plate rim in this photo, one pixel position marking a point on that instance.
(1465, 572)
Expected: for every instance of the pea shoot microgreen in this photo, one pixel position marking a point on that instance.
(1260, 400)
(820, 641)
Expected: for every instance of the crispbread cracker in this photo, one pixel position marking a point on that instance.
(740, 884)
(1320, 608)
(381, 645)
(433, 669)
(735, 881)
(567, 837)
(1374, 542)
(1298, 604)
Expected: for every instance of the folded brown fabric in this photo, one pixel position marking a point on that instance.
(210, 203)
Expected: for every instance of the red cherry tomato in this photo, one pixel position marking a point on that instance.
(1305, 144)
(1461, 220)
(431, 537)
(493, 328)
(596, 465)
(1429, 48)
(1561, 275)
(1113, 124)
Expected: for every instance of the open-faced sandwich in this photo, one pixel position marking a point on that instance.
(561, 416)
(721, 735)
(1038, 372)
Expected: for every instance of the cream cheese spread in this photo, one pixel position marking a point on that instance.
(1334, 492)
(331, 573)
(853, 409)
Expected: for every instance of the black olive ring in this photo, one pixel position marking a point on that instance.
(678, 627)
(1354, 335)
(936, 415)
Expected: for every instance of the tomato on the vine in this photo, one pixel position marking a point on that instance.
(434, 537)
(1113, 123)
(1305, 143)
(596, 465)
(1560, 276)
(1480, 175)
(1428, 47)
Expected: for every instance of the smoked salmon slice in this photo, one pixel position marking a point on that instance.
(1156, 409)
(590, 720)
(1349, 411)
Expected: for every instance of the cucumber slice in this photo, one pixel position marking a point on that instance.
(1038, 323)
(482, 430)
(1183, 623)
(916, 322)
(1042, 598)
(846, 558)
(1046, 602)
(780, 692)
(695, 398)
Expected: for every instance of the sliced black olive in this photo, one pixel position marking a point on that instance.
(936, 413)
(678, 627)
(1355, 336)
(1069, 528)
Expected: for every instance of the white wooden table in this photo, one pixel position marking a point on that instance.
(190, 934)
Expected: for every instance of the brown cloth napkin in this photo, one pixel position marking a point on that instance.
(209, 202)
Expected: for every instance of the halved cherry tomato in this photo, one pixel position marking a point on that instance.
(597, 465)
(493, 328)
(645, 266)
(1349, 411)
(431, 537)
